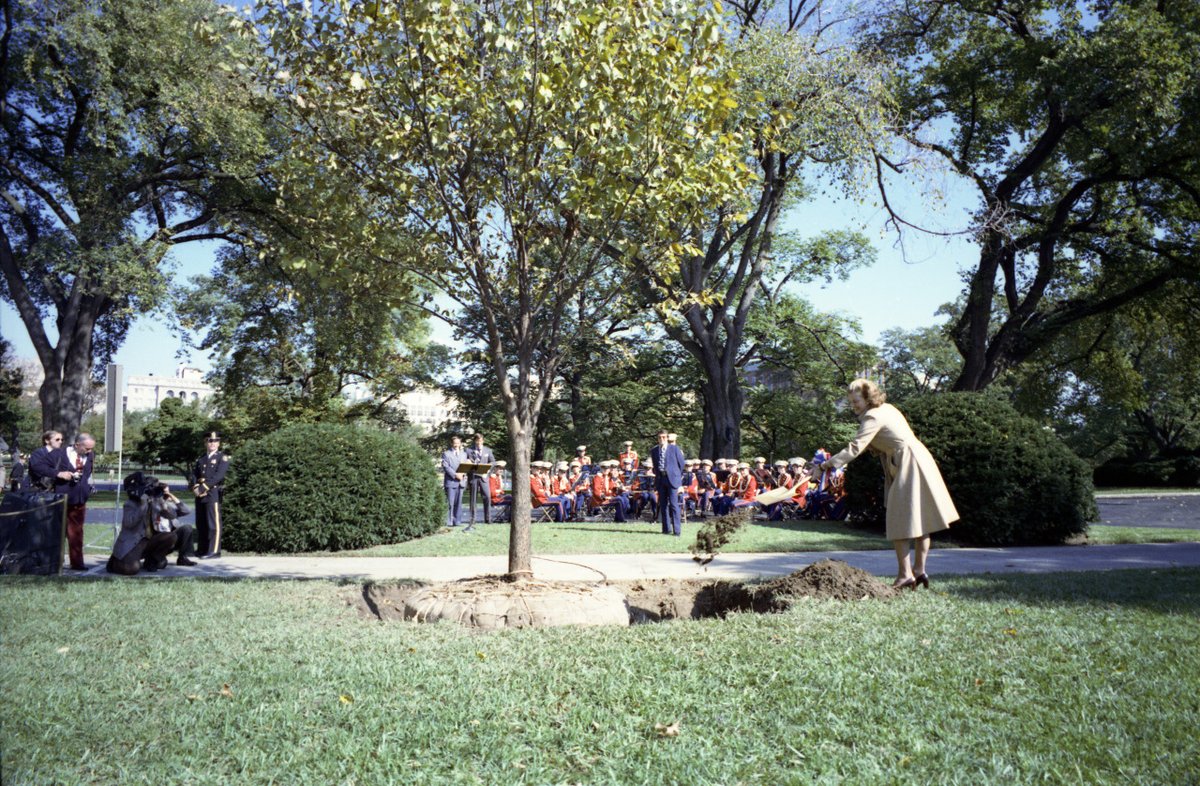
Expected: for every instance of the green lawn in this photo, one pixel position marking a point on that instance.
(1068, 678)
(645, 537)
(1145, 491)
(1104, 535)
(642, 537)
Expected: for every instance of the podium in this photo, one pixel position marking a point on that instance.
(474, 469)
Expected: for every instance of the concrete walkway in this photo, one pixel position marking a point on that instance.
(593, 567)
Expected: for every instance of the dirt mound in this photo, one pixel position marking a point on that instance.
(828, 579)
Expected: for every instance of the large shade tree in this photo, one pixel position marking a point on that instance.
(120, 137)
(813, 109)
(1076, 126)
(512, 141)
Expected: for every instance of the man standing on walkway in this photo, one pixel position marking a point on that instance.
(452, 481)
(479, 454)
(208, 484)
(75, 481)
(668, 479)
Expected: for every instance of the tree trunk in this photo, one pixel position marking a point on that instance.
(723, 403)
(520, 550)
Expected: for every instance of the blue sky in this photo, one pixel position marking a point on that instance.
(903, 289)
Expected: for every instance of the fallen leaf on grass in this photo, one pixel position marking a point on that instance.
(667, 731)
(344, 699)
(63, 650)
(481, 655)
(226, 691)
(194, 697)
(1010, 631)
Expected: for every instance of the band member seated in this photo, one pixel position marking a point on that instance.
(706, 484)
(747, 487)
(641, 491)
(609, 492)
(496, 485)
(580, 486)
(539, 490)
(781, 478)
(560, 486)
(691, 487)
(762, 474)
(802, 479)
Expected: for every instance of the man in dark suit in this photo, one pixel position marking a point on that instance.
(479, 454)
(208, 484)
(77, 486)
(452, 481)
(668, 478)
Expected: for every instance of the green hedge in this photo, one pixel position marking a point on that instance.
(1013, 482)
(316, 487)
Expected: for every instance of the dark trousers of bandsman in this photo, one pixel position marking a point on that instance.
(208, 526)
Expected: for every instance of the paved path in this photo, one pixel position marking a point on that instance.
(591, 567)
(1180, 511)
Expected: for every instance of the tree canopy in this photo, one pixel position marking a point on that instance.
(122, 136)
(1076, 126)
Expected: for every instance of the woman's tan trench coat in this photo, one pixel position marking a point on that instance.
(915, 494)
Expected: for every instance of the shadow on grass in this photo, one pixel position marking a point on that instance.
(1167, 590)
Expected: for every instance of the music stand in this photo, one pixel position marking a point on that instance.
(472, 471)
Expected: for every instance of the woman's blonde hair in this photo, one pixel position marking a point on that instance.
(871, 393)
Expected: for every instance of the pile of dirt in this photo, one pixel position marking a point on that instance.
(829, 579)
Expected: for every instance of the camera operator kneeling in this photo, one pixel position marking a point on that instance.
(145, 539)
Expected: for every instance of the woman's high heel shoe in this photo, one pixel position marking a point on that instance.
(909, 583)
(919, 580)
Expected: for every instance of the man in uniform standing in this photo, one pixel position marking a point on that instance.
(479, 454)
(208, 484)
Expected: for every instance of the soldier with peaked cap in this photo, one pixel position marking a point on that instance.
(762, 474)
(582, 456)
(208, 484)
(496, 485)
(628, 454)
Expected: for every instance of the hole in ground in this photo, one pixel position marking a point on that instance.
(658, 600)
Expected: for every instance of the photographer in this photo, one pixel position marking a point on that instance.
(165, 509)
(138, 540)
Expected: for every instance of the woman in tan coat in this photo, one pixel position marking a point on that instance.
(915, 495)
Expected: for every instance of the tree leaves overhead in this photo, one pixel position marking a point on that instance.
(1076, 124)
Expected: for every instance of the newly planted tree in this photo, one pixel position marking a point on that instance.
(499, 150)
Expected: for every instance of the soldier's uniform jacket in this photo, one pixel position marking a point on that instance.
(208, 476)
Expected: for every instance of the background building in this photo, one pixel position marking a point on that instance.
(146, 391)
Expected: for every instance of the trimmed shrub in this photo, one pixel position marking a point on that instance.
(326, 486)
(1013, 482)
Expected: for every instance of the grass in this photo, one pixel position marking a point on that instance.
(1105, 535)
(640, 537)
(1145, 491)
(1068, 678)
(645, 538)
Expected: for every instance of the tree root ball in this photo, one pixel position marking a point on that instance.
(491, 603)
